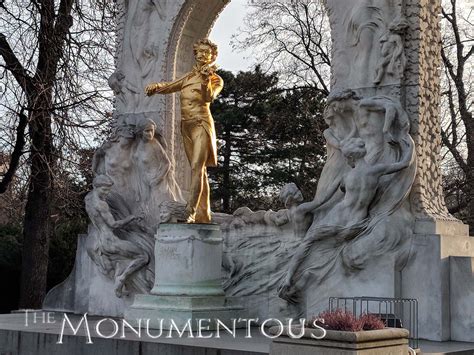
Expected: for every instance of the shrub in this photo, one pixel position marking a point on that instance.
(371, 322)
(345, 321)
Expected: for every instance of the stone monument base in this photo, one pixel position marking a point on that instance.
(188, 281)
(440, 275)
(40, 338)
(175, 312)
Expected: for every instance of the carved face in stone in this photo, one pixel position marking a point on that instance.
(296, 198)
(329, 115)
(103, 191)
(290, 195)
(354, 150)
(204, 54)
(165, 215)
(148, 132)
(102, 185)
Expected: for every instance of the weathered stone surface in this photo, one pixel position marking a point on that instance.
(426, 277)
(387, 341)
(188, 280)
(415, 240)
(188, 260)
(461, 284)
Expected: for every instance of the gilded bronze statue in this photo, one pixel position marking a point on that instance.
(198, 89)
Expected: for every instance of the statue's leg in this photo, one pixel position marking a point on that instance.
(201, 143)
(139, 259)
(203, 212)
(186, 130)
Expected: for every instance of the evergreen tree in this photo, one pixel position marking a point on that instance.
(268, 137)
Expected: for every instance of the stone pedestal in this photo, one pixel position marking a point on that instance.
(439, 275)
(188, 280)
(462, 297)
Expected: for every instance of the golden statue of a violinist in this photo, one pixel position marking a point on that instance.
(198, 89)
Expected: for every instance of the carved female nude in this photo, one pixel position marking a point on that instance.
(157, 182)
(113, 158)
(359, 187)
(339, 117)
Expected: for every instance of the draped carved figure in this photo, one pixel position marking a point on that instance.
(140, 56)
(341, 105)
(368, 43)
(133, 178)
(367, 177)
(126, 93)
(392, 60)
(156, 183)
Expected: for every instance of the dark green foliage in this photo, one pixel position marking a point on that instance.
(10, 247)
(294, 148)
(68, 219)
(62, 250)
(62, 253)
(10, 265)
(272, 137)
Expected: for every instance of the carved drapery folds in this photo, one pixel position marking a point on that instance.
(360, 211)
(368, 175)
(368, 43)
(391, 47)
(140, 53)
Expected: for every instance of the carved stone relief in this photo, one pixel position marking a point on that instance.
(369, 173)
(134, 177)
(367, 42)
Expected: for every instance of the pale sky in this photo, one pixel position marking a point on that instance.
(231, 19)
(226, 25)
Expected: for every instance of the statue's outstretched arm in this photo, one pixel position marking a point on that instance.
(308, 207)
(112, 223)
(390, 116)
(164, 87)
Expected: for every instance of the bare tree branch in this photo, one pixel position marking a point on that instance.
(16, 153)
(14, 66)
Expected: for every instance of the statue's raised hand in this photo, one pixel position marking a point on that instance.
(153, 88)
(207, 71)
(140, 217)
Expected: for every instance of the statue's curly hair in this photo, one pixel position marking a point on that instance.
(102, 181)
(290, 191)
(209, 43)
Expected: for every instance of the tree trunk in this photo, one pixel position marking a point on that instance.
(36, 224)
(470, 178)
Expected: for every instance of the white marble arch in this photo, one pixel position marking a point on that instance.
(196, 20)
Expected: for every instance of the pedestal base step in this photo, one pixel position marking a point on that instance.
(184, 312)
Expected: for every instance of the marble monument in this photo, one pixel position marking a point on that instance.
(377, 226)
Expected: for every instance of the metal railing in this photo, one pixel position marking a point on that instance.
(394, 312)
